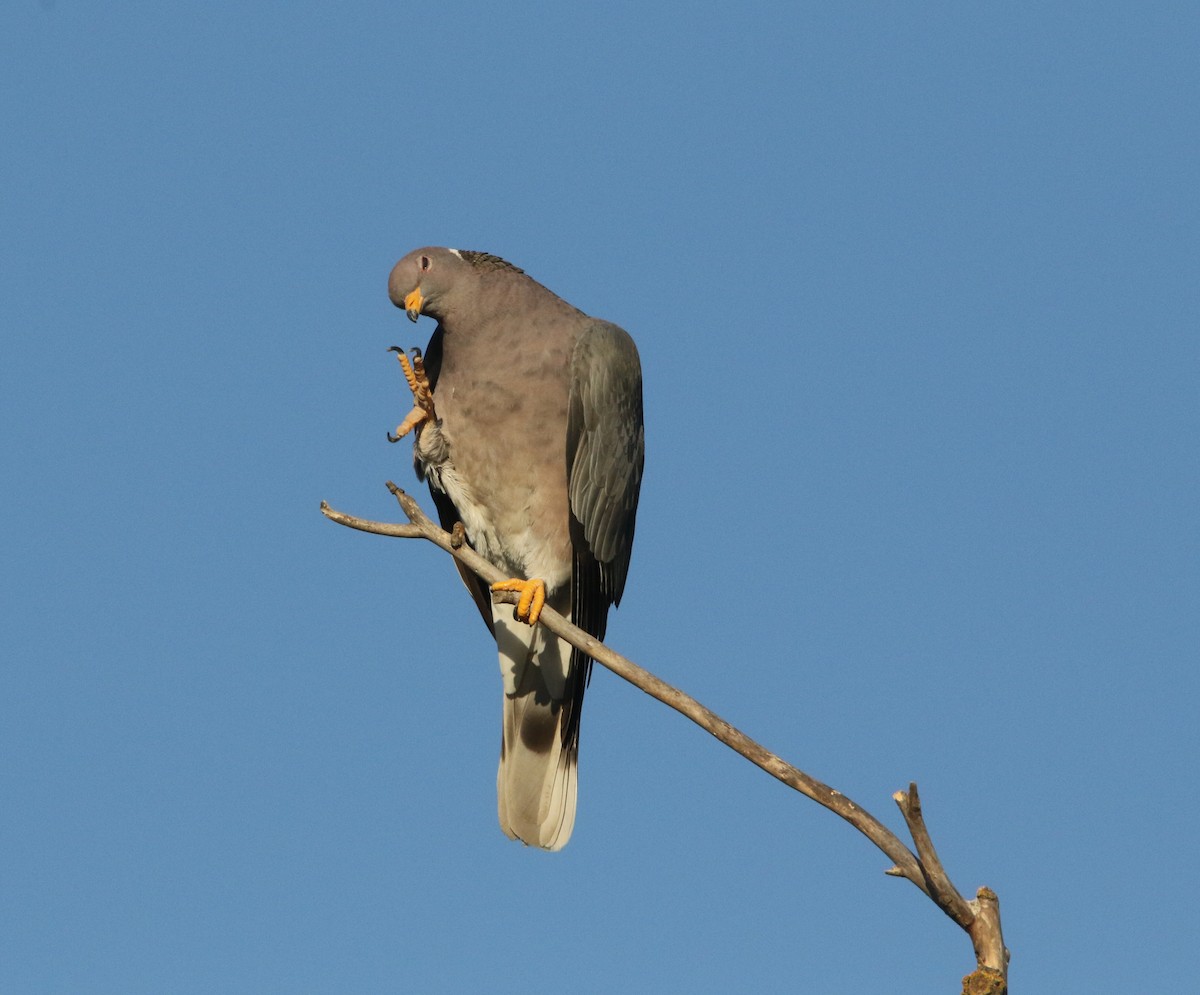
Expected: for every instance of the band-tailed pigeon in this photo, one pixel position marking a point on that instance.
(528, 417)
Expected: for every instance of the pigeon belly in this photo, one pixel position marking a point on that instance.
(522, 529)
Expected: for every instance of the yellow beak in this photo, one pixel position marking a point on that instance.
(413, 304)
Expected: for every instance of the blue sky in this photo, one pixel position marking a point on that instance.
(915, 292)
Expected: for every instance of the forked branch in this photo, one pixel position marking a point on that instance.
(980, 918)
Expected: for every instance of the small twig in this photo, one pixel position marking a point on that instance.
(980, 919)
(378, 528)
(938, 886)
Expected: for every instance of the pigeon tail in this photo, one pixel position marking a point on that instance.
(537, 783)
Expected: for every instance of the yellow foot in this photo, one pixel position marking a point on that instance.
(418, 383)
(533, 597)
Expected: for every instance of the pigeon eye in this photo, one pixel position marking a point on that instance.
(425, 263)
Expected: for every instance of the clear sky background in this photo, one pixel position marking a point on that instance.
(915, 288)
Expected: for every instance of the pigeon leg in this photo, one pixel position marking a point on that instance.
(533, 597)
(418, 383)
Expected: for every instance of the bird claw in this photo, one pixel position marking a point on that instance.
(458, 535)
(533, 597)
(418, 383)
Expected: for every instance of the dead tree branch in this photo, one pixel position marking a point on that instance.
(980, 918)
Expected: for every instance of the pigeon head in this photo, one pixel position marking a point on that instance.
(422, 282)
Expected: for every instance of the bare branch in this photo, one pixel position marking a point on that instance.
(979, 918)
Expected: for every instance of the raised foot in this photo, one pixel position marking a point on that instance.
(418, 383)
(533, 597)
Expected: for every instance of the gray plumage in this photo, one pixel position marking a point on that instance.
(537, 449)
